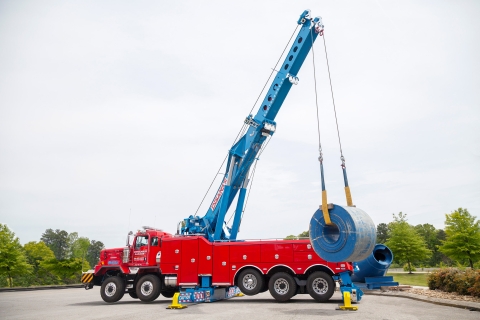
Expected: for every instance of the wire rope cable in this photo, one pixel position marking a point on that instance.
(333, 101)
(320, 158)
(274, 69)
(215, 178)
(243, 128)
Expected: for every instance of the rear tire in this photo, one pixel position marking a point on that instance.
(113, 289)
(282, 286)
(133, 294)
(250, 282)
(148, 288)
(320, 286)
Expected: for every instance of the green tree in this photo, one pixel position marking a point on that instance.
(71, 239)
(383, 233)
(443, 259)
(80, 247)
(37, 253)
(93, 252)
(12, 258)
(406, 244)
(69, 270)
(463, 237)
(57, 241)
(304, 234)
(432, 239)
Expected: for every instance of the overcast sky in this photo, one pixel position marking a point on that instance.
(112, 107)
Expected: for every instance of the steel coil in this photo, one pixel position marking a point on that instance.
(351, 237)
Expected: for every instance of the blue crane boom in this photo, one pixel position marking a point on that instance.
(244, 152)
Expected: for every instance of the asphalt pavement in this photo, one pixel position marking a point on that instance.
(78, 303)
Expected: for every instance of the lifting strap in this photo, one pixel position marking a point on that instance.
(324, 206)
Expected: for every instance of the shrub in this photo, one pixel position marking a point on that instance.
(450, 280)
(453, 280)
(475, 289)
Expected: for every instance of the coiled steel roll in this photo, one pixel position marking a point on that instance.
(351, 238)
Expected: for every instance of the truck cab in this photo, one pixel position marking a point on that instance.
(120, 269)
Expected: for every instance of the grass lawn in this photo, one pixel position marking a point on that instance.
(415, 279)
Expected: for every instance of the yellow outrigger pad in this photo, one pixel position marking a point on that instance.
(175, 304)
(347, 301)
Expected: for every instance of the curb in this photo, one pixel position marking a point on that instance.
(41, 288)
(471, 306)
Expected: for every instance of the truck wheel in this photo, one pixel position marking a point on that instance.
(133, 294)
(168, 294)
(113, 289)
(320, 286)
(250, 282)
(148, 288)
(282, 286)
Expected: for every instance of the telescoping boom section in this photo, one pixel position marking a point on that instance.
(259, 127)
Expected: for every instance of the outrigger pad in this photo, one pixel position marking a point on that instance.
(351, 238)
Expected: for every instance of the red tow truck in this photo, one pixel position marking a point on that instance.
(204, 261)
(156, 262)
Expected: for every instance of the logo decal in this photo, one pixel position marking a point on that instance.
(219, 194)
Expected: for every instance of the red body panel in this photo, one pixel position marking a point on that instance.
(189, 262)
(189, 257)
(228, 258)
(244, 252)
(205, 253)
(221, 264)
(277, 252)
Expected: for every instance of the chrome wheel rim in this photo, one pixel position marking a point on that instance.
(110, 289)
(320, 286)
(249, 281)
(281, 286)
(146, 288)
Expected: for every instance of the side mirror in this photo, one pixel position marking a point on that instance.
(129, 238)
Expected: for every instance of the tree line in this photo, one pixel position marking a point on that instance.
(424, 245)
(58, 258)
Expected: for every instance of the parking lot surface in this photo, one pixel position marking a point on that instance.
(82, 304)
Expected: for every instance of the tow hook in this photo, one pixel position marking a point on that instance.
(88, 286)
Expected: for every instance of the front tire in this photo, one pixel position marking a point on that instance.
(282, 286)
(320, 286)
(113, 289)
(148, 288)
(250, 282)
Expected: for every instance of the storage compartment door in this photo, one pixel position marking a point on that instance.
(189, 265)
(205, 261)
(221, 265)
